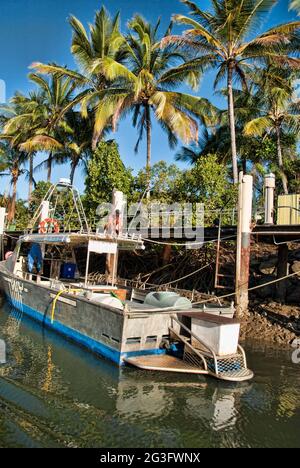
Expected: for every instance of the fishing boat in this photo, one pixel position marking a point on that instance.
(152, 330)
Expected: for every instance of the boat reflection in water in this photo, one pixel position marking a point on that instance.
(54, 394)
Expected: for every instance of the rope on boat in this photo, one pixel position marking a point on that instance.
(253, 288)
(184, 277)
(187, 244)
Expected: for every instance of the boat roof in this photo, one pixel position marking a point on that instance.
(123, 242)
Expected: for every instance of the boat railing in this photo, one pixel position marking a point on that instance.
(206, 349)
(225, 366)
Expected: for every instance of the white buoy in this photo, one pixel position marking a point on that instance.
(2, 352)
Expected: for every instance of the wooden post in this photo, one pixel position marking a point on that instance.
(166, 254)
(282, 271)
(243, 243)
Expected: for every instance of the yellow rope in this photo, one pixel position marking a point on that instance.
(56, 299)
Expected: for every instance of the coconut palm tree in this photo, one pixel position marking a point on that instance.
(220, 40)
(217, 139)
(78, 142)
(16, 123)
(295, 5)
(146, 90)
(44, 115)
(12, 161)
(279, 111)
(131, 75)
(95, 53)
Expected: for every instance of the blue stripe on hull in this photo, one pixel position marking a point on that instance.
(92, 345)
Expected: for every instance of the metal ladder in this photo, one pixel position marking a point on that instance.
(219, 255)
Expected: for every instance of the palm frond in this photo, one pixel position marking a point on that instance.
(257, 127)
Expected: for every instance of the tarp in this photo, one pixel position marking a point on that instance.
(35, 258)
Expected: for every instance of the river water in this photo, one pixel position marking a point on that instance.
(54, 394)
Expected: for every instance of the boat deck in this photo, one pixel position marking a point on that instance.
(164, 363)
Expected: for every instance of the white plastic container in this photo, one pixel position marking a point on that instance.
(221, 334)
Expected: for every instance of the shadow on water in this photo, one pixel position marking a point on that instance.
(54, 394)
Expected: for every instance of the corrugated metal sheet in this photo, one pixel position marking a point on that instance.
(288, 211)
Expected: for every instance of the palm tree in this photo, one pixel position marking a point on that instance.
(95, 53)
(48, 127)
(147, 88)
(295, 5)
(217, 139)
(17, 126)
(219, 38)
(78, 143)
(12, 161)
(279, 112)
(131, 75)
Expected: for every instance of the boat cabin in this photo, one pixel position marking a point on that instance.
(66, 261)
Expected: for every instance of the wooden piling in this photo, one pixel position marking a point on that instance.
(243, 243)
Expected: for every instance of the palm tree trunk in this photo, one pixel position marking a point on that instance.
(30, 177)
(232, 124)
(73, 169)
(49, 167)
(280, 161)
(12, 208)
(148, 161)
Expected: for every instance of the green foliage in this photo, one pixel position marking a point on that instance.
(164, 182)
(22, 215)
(105, 171)
(208, 182)
(292, 169)
(38, 195)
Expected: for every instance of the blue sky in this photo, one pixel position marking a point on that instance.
(38, 30)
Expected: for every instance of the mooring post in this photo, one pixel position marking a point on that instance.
(282, 271)
(243, 242)
(269, 187)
